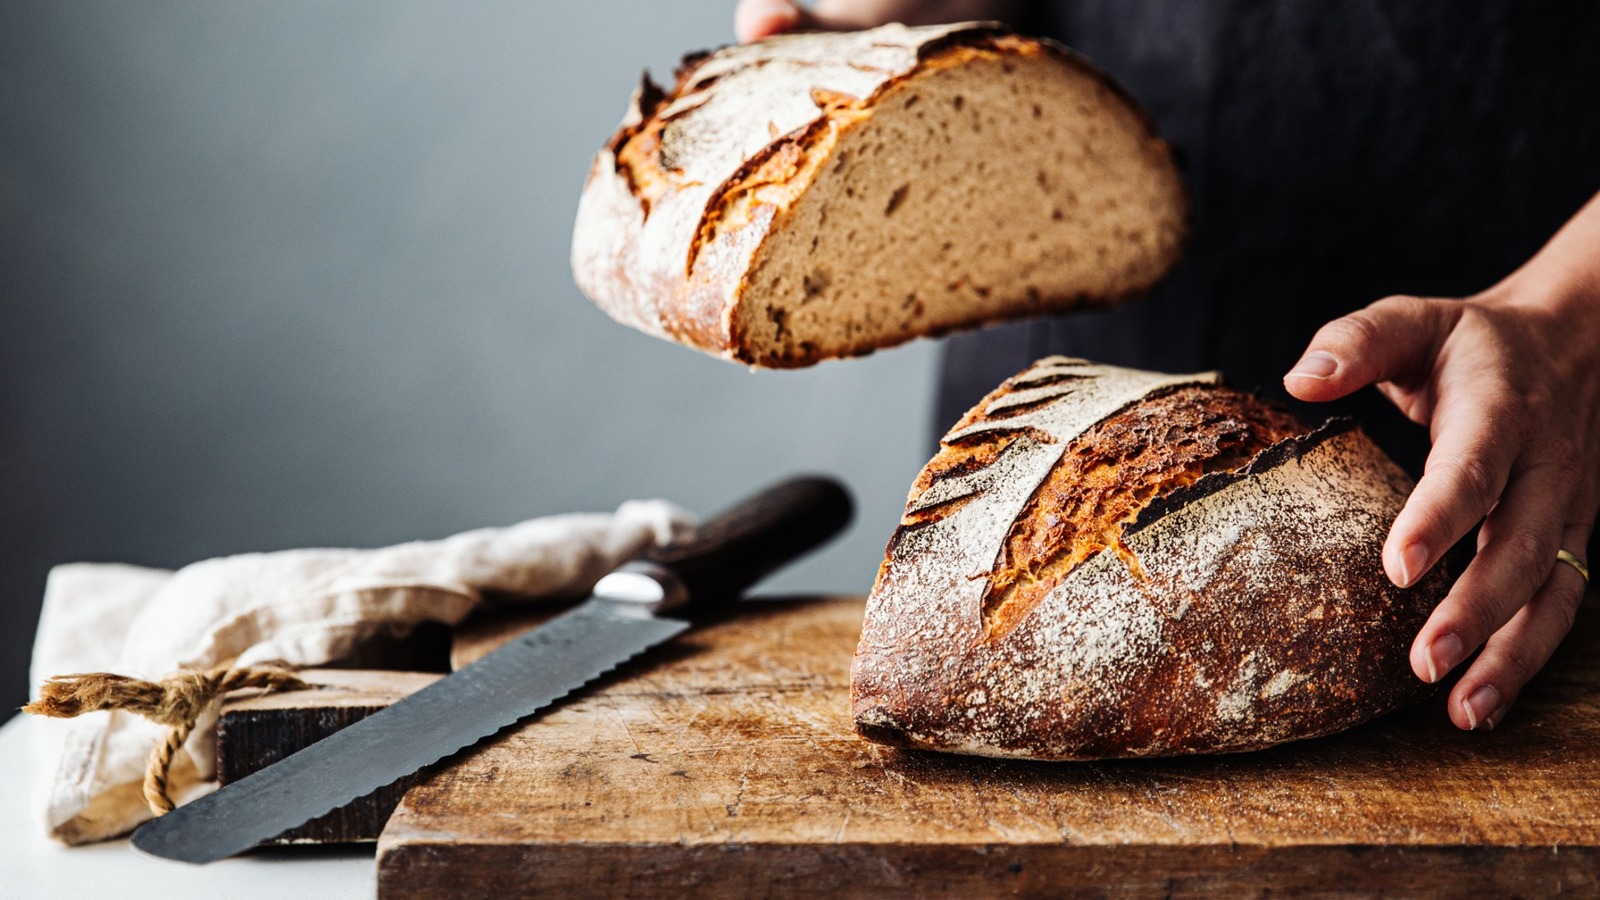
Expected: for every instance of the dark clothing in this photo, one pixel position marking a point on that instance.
(1337, 152)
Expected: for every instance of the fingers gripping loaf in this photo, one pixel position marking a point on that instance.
(1103, 562)
(822, 195)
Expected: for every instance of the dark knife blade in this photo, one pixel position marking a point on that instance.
(622, 619)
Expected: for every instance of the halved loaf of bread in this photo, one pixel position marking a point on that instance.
(1103, 562)
(822, 195)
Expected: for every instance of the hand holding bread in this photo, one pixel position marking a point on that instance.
(757, 19)
(1508, 383)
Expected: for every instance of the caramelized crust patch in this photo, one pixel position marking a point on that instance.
(971, 458)
(1112, 472)
(638, 152)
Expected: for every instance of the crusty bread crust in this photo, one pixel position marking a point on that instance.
(1231, 612)
(681, 202)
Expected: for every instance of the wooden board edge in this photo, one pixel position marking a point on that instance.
(421, 868)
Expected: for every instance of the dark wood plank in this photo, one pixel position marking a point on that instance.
(254, 731)
(724, 765)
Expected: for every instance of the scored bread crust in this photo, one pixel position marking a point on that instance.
(1242, 610)
(682, 200)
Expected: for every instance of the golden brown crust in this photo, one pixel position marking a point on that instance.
(1189, 572)
(677, 263)
(1110, 473)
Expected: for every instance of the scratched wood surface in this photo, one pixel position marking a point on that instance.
(724, 765)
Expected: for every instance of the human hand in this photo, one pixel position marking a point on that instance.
(756, 19)
(1508, 382)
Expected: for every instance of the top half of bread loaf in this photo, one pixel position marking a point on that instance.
(695, 223)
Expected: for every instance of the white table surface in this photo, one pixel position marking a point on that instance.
(36, 867)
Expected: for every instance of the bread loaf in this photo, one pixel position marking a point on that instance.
(1102, 562)
(821, 195)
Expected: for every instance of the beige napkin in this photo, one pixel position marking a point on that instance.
(303, 607)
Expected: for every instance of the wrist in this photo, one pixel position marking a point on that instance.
(1563, 278)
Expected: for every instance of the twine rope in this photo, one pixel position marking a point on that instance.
(177, 701)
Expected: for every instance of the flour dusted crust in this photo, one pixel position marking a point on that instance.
(813, 196)
(1238, 609)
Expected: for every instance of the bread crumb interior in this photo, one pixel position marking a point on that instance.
(1010, 184)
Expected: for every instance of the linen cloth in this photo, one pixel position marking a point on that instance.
(298, 607)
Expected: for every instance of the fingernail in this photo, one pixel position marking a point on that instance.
(1315, 365)
(1443, 654)
(1480, 707)
(1413, 562)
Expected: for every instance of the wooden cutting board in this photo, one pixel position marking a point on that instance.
(724, 765)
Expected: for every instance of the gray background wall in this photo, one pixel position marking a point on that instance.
(295, 273)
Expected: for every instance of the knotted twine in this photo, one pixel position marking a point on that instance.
(177, 701)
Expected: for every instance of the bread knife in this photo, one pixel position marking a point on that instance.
(623, 617)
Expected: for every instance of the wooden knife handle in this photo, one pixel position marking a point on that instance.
(744, 544)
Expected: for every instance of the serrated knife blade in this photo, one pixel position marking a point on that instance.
(622, 619)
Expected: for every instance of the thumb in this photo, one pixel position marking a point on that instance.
(1392, 340)
(757, 19)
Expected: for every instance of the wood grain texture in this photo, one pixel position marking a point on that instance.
(724, 765)
(486, 629)
(256, 731)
